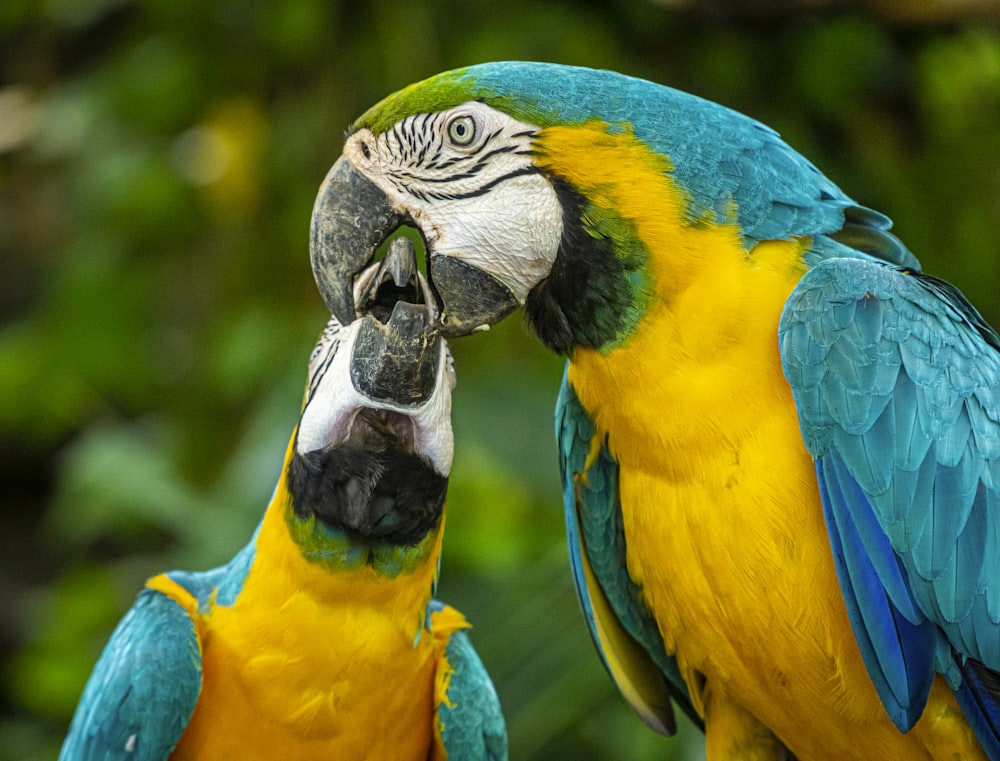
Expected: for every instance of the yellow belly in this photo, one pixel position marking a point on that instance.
(363, 698)
(741, 579)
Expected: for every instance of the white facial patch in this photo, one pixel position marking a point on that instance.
(333, 402)
(466, 179)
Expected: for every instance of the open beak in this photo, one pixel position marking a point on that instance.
(374, 444)
(352, 218)
(392, 360)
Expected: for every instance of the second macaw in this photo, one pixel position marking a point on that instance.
(320, 639)
(780, 441)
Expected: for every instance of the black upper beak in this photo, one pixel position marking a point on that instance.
(352, 218)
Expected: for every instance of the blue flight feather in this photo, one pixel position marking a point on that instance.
(979, 697)
(898, 647)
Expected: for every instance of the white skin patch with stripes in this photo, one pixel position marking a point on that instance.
(465, 177)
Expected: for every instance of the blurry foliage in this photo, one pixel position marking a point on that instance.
(158, 163)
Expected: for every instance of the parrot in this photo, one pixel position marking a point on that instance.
(779, 439)
(321, 638)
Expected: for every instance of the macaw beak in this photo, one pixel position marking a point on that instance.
(350, 221)
(395, 358)
(384, 381)
(374, 444)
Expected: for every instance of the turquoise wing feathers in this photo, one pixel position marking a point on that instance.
(143, 689)
(625, 634)
(472, 724)
(896, 379)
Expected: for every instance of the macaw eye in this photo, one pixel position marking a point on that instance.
(462, 130)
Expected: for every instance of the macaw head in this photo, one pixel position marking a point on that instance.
(373, 448)
(544, 185)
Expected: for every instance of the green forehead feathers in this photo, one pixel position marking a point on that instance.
(483, 83)
(438, 93)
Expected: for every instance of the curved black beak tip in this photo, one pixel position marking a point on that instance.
(397, 362)
(350, 219)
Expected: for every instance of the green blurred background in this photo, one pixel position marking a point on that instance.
(158, 163)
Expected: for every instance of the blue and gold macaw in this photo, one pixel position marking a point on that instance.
(780, 441)
(320, 639)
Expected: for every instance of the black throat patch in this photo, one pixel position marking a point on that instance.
(589, 297)
(388, 496)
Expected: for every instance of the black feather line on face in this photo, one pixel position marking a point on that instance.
(584, 298)
(389, 496)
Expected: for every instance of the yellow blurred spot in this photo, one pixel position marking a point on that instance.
(223, 156)
(19, 117)
(201, 156)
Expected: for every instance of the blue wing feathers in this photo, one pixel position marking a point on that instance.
(983, 417)
(980, 631)
(146, 683)
(956, 450)
(953, 587)
(142, 690)
(913, 442)
(864, 455)
(901, 642)
(907, 444)
(472, 726)
(950, 506)
(863, 526)
(867, 230)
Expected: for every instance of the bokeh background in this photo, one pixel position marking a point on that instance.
(158, 164)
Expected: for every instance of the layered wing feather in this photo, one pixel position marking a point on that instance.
(896, 379)
(626, 635)
(144, 686)
(143, 689)
(469, 718)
